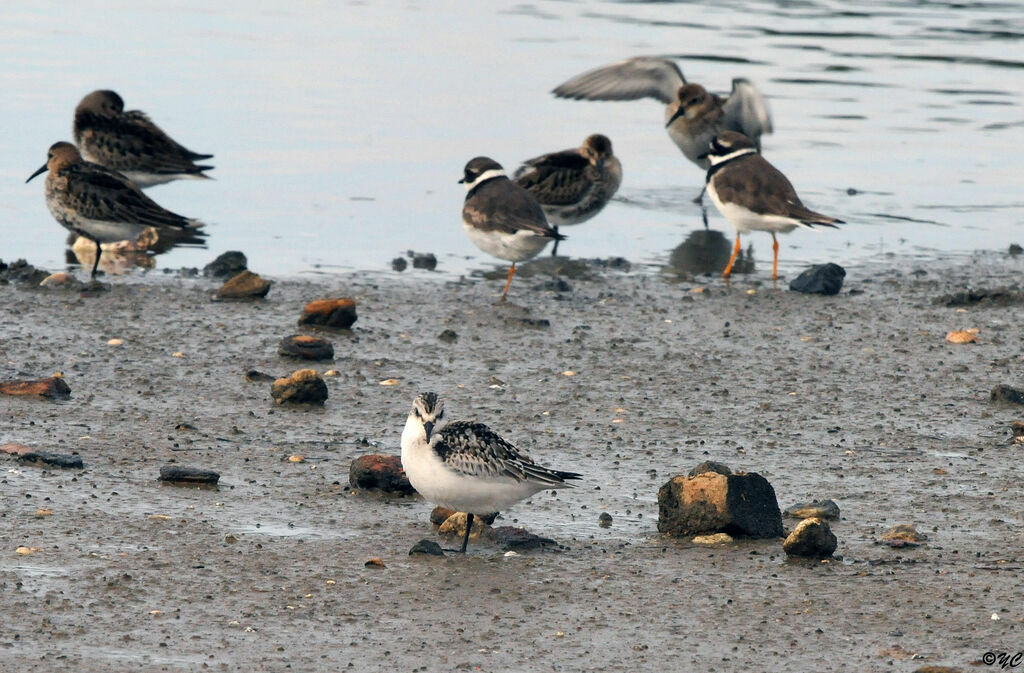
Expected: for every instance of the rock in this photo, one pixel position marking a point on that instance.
(54, 459)
(54, 387)
(710, 466)
(738, 504)
(427, 547)
(15, 449)
(190, 475)
(302, 387)
(1015, 249)
(813, 538)
(424, 261)
(399, 264)
(338, 313)
(1000, 296)
(605, 520)
(229, 264)
(553, 285)
(375, 563)
(1017, 428)
(819, 279)
(903, 535)
(510, 537)
(439, 515)
(1003, 393)
(819, 509)
(448, 336)
(529, 323)
(717, 538)
(62, 280)
(245, 285)
(968, 336)
(254, 376)
(306, 347)
(455, 525)
(21, 271)
(381, 472)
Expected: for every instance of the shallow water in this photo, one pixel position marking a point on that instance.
(340, 130)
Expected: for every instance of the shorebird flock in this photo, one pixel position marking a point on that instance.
(94, 189)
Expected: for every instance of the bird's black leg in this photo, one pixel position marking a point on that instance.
(96, 264)
(704, 215)
(700, 197)
(554, 250)
(469, 527)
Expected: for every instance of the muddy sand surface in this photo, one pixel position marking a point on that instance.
(855, 397)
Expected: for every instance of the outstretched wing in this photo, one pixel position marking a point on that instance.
(476, 450)
(640, 77)
(746, 111)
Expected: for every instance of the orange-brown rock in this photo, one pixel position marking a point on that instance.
(16, 449)
(381, 472)
(303, 386)
(246, 285)
(337, 313)
(813, 537)
(54, 387)
(739, 504)
(306, 347)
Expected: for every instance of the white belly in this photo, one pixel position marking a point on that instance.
(515, 247)
(744, 219)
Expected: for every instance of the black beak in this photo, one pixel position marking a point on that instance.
(428, 428)
(41, 170)
(680, 111)
(462, 180)
(704, 156)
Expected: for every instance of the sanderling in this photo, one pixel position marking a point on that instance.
(754, 195)
(130, 143)
(502, 218)
(104, 206)
(466, 466)
(575, 184)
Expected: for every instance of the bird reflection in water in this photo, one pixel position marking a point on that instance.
(121, 257)
(706, 251)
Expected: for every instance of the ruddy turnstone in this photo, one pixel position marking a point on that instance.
(130, 143)
(104, 206)
(502, 218)
(754, 195)
(692, 115)
(575, 184)
(466, 466)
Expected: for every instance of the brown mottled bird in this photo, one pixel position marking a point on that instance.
(130, 143)
(573, 185)
(104, 206)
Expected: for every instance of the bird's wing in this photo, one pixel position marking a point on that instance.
(131, 141)
(476, 450)
(746, 111)
(510, 211)
(640, 77)
(105, 195)
(559, 178)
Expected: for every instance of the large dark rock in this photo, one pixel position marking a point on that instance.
(813, 538)
(737, 504)
(54, 388)
(427, 548)
(245, 285)
(231, 263)
(820, 279)
(1007, 394)
(68, 461)
(306, 347)
(190, 475)
(820, 509)
(512, 538)
(302, 387)
(338, 313)
(381, 472)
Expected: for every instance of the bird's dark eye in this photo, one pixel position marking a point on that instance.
(416, 411)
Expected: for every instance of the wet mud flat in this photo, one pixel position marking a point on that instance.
(628, 378)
